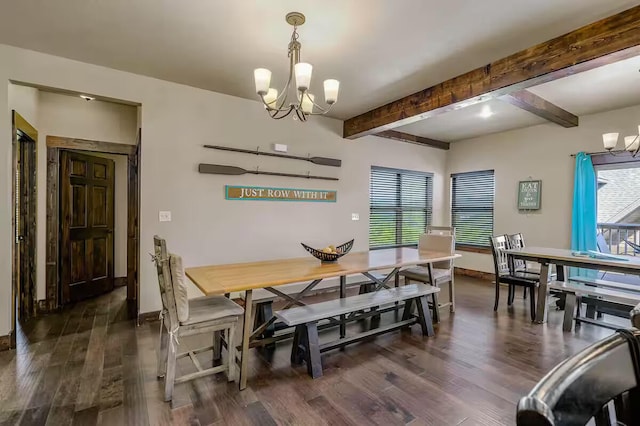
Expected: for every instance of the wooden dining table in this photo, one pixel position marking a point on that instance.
(249, 276)
(562, 258)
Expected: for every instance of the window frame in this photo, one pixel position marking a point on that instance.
(397, 207)
(477, 248)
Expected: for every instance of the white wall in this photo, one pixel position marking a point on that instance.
(74, 117)
(540, 152)
(176, 121)
(24, 100)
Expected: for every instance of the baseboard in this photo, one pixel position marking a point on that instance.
(475, 274)
(148, 317)
(120, 282)
(5, 343)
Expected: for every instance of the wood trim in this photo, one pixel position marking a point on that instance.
(20, 123)
(5, 342)
(475, 274)
(89, 145)
(541, 107)
(603, 42)
(620, 157)
(54, 145)
(473, 249)
(418, 140)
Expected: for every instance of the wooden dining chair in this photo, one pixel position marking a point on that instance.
(516, 241)
(504, 274)
(182, 317)
(442, 271)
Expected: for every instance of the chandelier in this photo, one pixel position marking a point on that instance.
(304, 105)
(631, 143)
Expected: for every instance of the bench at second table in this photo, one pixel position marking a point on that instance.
(306, 346)
(619, 300)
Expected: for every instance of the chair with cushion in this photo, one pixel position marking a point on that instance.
(505, 275)
(182, 317)
(442, 271)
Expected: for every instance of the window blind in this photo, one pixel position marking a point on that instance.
(472, 197)
(400, 206)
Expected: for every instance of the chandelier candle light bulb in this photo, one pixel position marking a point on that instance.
(307, 103)
(610, 140)
(331, 88)
(303, 75)
(631, 143)
(275, 102)
(262, 77)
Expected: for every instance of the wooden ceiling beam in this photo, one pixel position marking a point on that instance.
(418, 140)
(534, 104)
(604, 42)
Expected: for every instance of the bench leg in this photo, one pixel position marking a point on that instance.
(423, 316)
(264, 312)
(343, 294)
(314, 364)
(452, 294)
(569, 308)
(436, 309)
(297, 353)
(408, 309)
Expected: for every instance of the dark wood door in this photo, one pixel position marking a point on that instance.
(87, 222)
(25, 225)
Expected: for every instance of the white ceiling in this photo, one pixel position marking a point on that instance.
(379, 49)
(468, 122)
(602, 89)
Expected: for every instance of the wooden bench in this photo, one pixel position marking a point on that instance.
(623, 301)
(305, 318)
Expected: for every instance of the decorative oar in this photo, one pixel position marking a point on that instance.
(323, 161)
(217, 169)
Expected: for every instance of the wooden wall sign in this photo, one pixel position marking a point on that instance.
(261, 193)
(529, 192)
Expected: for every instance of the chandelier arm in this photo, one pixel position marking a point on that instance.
(302, 116)
(270, 108)
(275, 115)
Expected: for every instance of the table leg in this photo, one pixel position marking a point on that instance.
(569, 308)
(246, 335)
(542, 308)
(561, 272)
(343, 294)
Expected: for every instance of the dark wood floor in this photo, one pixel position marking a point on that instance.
(88, 365)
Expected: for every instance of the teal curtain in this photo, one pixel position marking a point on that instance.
(584, 219)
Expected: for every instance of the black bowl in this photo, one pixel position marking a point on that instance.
(329, 257)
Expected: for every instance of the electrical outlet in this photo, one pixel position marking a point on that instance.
(164, 216)
(279, 147)
(355, 216)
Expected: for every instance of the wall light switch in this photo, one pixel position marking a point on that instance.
(355, 216)
(164, 216)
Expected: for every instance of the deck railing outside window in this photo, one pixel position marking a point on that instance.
(615, 235)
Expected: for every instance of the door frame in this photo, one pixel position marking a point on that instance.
(54, 145)
(18, 123)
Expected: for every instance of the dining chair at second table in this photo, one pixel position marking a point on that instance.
(504, 274)
(181, 317)
(442, 271)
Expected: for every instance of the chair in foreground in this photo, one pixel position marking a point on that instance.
(505, 275)
(596, 386)
(442, 271)
(182, 317)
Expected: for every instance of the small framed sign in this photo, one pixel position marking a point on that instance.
(529, 194)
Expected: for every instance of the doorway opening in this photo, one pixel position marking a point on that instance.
(80, 220)
(24, 194)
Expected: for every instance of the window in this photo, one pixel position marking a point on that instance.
(400, 206)
(472, 196)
